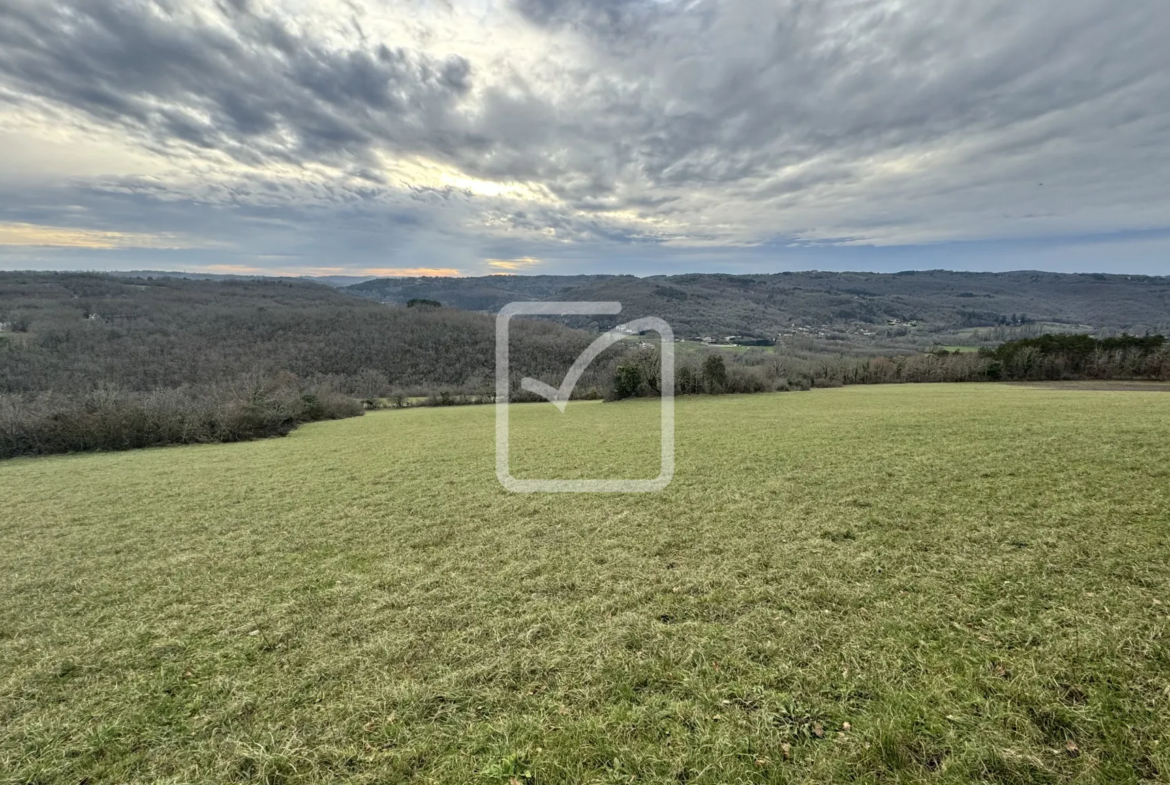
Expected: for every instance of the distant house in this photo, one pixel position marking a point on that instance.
(5, 327)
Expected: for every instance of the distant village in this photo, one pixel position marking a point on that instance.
(792, 331)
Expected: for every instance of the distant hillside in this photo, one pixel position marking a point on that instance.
(71, 332)
(328, 280)
(848, 309)
(338, 280)
(488, 293)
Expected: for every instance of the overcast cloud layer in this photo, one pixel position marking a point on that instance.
(646, 136)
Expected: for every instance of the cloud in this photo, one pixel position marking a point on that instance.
(226, 79)
(408, 272)
(520, 263)
(31, 235)
(436, 136)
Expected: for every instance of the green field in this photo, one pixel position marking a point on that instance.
(885, 584)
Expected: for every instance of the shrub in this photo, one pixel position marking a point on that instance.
(744, 380)
(687, 381)
(110, 418)
(715, 373)
(629, 381)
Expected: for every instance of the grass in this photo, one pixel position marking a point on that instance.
(886, 584)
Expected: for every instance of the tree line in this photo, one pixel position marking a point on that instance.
(1045, 358)
(1057, 357)
(115, 418)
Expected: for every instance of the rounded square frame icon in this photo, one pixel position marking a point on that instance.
(559, 396)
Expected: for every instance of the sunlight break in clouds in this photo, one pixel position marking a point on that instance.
(30, 235)
(583, 133)
(522, 263)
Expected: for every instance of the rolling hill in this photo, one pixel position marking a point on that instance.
(888, 310)
(70, 332)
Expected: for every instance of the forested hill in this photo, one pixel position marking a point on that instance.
(71, 332)
(940, 303)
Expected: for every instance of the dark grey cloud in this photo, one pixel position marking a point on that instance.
(611, 20)
(755, 86)
(250, 85)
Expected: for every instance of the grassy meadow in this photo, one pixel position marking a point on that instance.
(876, 584)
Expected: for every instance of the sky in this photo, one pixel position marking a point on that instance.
(377, 137)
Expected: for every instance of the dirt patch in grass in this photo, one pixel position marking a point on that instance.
(1098, 386)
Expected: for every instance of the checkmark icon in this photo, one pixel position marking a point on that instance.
(560, 396)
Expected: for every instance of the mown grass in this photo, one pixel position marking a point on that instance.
(884, 584)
